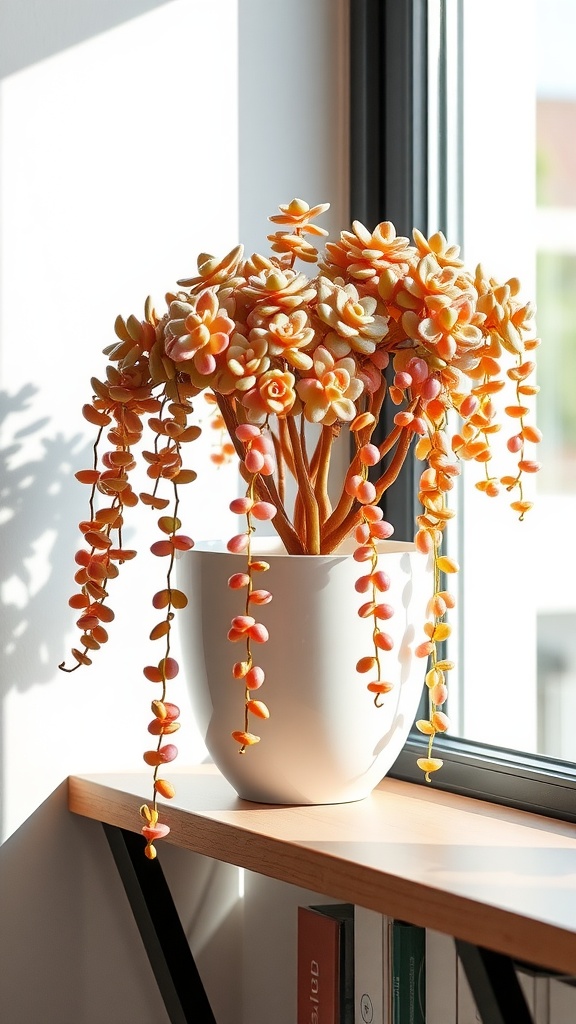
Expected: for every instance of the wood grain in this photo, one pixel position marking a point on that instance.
(495, 876)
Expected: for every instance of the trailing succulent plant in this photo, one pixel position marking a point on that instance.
(292, 365)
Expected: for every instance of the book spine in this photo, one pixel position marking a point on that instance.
(562, 1006)
(541, 1003)
(347, 966)
(441, 978)
(318, 969)
(372, 967)
(408, 974)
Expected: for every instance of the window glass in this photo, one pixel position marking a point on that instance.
(556, 293)
(516, 625)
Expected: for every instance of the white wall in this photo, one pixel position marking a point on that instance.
(106, 196)
(133, 135)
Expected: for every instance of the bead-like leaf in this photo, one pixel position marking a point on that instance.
(160, 630)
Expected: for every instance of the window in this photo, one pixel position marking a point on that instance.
(442, 140)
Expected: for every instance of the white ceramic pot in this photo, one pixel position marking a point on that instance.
(325, 741)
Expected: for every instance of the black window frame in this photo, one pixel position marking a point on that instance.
(389, 86)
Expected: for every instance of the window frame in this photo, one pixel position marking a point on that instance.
(390, 93)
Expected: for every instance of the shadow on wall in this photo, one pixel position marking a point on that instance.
(37, 489)
(36, 494)
(25, 41)
(72, 952)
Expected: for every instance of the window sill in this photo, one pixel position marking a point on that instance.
(538, 784)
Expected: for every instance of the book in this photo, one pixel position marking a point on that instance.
(325, 971)
(408, 973)
(441, 978)
(562, 999)
(372, 967)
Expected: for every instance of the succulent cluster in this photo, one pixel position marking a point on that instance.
(385, 319)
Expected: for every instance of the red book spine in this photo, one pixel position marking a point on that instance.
(318, 968)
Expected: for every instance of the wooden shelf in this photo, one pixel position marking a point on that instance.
(489, 875)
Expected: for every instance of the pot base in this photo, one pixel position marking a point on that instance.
(325, 741)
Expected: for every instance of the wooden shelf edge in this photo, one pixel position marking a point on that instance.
(388, 868)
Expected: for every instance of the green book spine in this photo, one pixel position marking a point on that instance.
(408, 974)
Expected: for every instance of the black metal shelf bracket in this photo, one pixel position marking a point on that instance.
(494, 985)
(161, 930)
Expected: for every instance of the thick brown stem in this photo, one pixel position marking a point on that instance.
(303, 443)
(398, 460)
(299, 521)
(320, 473)
(333, 540)
(266, 491)
(265, 487)
(281, 467)
(305, 489)
(346, 502)
(231, 420)
(374, 406)
(286, 447)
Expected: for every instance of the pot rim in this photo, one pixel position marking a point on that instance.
(272, 546)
